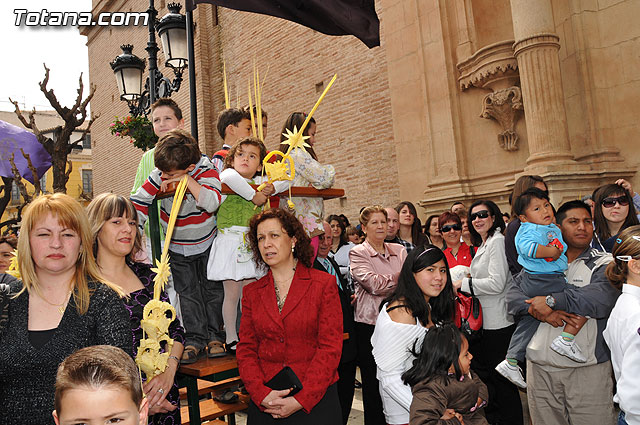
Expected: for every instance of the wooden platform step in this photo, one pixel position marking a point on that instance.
(206, 387)
(211, 409)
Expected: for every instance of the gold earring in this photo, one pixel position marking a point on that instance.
(293, 248)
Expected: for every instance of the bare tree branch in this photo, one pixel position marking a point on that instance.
(76, 105)
(79, 142)
(85, 103)
(68, 172)
(31, 124)
(50, 95)
(6, 194)
(18, 179)
(34, 173)
(17, 219)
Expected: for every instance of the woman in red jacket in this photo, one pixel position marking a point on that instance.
(291, 317)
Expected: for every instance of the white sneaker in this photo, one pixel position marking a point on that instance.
(568, 348)
(512, 373)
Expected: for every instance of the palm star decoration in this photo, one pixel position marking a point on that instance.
(152, 357)
(14, 268)
(295, 139)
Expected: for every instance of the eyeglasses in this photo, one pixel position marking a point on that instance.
(449, 227)
(479, 214)
(610, 202)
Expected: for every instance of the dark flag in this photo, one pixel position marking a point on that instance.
(332, 17)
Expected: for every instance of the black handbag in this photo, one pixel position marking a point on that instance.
(284, 380)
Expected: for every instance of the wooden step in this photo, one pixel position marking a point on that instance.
(206, 387)
(211, 409)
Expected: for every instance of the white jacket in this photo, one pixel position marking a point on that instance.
(490, 275)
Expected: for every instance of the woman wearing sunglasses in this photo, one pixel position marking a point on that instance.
(612, 213)
(489, 280)
(457, 252)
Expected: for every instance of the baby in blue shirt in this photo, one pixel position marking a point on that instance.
(541, 252)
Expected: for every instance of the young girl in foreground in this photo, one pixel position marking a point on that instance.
(623, 327)
(98, 385)
(445, 390)
(230, 259)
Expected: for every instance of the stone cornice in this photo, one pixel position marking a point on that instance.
(493, 62)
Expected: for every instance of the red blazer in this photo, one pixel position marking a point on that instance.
(306, 336)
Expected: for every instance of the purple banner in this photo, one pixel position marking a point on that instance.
(12, 138)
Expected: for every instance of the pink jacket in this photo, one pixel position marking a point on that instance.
(375, 276)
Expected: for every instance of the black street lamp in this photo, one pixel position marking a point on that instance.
(128, 68)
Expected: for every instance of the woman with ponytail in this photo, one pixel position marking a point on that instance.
(623, 328)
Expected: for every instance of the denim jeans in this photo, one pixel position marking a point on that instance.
(621, 419)
(200, 299)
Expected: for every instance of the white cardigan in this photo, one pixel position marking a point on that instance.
(490, 276)
(392, 344)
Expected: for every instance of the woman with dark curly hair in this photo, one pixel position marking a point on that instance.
(290, 317)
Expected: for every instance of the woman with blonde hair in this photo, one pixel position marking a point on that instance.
(116, 243)
(375, 268)
(63, 305)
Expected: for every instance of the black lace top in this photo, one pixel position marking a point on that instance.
(27, 374)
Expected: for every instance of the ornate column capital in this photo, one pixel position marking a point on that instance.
(536, 41)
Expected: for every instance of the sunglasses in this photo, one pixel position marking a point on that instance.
(626, 258)
(450, 227)
(610, 202)
(479, 214)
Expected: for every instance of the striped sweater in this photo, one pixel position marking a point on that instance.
(196, 224)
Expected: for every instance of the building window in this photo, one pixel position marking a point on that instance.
(15, 192)
(87, 181)
(86, 143)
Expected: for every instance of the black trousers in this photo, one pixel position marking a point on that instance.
(504, 405)
(347, 376)
(371, 400)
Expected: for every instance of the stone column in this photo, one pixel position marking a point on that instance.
(536, 50)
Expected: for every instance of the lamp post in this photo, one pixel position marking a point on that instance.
(128, 68)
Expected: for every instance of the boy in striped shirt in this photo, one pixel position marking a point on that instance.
(177, 154)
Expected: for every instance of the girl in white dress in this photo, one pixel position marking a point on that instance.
(231, 260)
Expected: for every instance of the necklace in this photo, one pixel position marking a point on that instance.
(281, 299)
(62, 306)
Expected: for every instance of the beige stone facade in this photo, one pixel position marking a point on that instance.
(462, 97)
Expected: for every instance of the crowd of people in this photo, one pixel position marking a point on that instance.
(303, 299)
